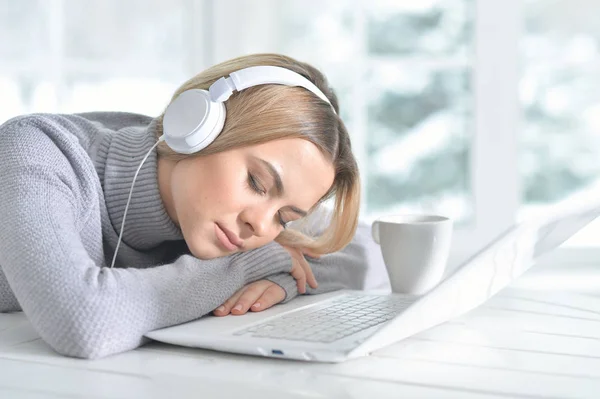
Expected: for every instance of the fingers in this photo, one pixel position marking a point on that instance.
(226, 307)
(299, 275)
(248, 298)
(301, 270)
(242, 300)
(272, 296)
(310, 277)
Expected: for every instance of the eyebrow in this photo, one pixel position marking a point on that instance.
(279, 184)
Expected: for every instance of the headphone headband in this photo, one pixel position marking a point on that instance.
(223, 88)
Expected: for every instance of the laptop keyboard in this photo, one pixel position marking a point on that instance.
(343, 316)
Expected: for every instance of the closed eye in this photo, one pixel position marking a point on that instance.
(255, 185)
(282, 222)
(258, 188)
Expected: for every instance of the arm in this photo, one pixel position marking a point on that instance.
(79, 308)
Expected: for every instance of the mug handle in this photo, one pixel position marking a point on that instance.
(375, 231)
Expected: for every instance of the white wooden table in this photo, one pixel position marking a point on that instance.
(529, 341)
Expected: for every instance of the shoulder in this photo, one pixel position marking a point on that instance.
(23, 128)
(45, 144)
(115, 120)
(39, 139)
(75, 126)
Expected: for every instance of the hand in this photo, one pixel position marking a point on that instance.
(256, 296)
(301, 270)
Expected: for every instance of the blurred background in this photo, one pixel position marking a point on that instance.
(484, 111)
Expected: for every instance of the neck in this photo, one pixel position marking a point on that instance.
(118, 157)
(165, 170)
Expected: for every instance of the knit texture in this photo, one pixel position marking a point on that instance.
(64, 184)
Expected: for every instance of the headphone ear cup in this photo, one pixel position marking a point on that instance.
(192, 121)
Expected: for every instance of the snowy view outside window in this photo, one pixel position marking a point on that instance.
(560, 93)
(560, 96)
(403, 70)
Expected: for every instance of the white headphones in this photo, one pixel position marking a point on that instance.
(196, 117)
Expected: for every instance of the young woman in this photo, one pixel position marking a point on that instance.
(205, 232)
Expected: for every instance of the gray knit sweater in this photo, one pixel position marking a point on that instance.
(64, 183)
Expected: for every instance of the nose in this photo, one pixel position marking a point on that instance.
(258, 219)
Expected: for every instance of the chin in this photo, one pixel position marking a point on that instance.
(201, 247)
(205, 253)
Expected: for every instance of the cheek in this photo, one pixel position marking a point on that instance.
(210, 196)
(221, 196)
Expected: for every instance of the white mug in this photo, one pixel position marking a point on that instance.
(415, 250)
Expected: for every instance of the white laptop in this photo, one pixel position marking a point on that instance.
(345, 324)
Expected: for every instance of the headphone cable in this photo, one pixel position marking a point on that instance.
(161, 138)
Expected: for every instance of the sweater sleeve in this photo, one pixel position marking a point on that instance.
(86, 310)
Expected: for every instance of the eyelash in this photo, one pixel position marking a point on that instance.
(253, 183)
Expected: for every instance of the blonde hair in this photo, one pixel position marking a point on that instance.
(271, 112)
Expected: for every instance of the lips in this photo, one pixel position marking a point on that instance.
(228, 239)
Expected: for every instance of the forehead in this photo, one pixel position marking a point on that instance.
(306, 174)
